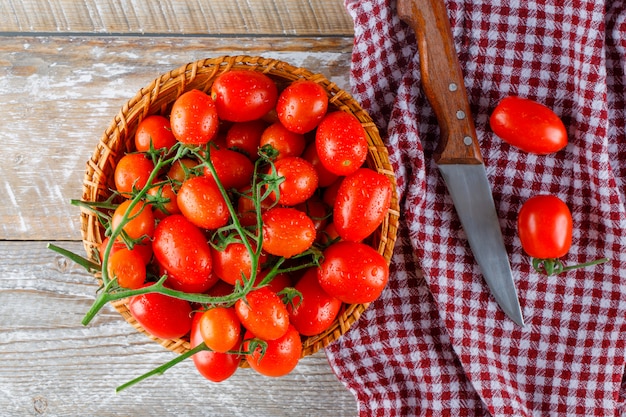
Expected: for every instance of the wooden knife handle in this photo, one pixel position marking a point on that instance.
(442, 80)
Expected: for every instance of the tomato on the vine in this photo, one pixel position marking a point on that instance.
(201, 201)
(544, 226)
(315, 310)
(232, 263)
(341, 143)
(220, 329)
(181, 249)
(353, 272)
(528, 125)
(140, 220)
(245, 137)
(281, 355)
(287, 231)
(128, 267)
(362, 200)
(286, 142)
(300, 181)
(263, 313)
(242, 96)
(194, 118)
(132, 173)
(214, 366)
(161, 315)
(154, 131)
(234, 169)
(302, 105)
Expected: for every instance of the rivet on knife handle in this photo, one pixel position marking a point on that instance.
(441, 73)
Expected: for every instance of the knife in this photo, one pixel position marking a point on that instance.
(458, 155)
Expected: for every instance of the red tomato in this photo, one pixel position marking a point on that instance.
(287, 143)
(200, 200)
(128, 267)
(141, 223)
(300, 181)
(317, 309)
(160, 315)
(246, 211)
(182, 169)
(241, 96)
(281, 356)
(163, 200)
(234, 169)
(341, 143)
(182, 250)
(324, 176)
(232, 262)
(214, 366)
(132, 172)
(220, 329)
(353, 272)
(287, 231)
(263, 313)
(363, 199)
(194, 118)
(302, 105)
(544, 226)
(528, 125)
(317, 210)
(143, 247)
(278, 282)
(154, 130)
(245, 137)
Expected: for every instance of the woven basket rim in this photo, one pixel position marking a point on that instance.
(156, 98)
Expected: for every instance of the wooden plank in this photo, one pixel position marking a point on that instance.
(58, 94)
(184, 17)
(52, 365)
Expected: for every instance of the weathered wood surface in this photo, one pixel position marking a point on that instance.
(66, 68)
(184, 17)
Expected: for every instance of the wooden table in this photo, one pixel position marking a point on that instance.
(66, 68)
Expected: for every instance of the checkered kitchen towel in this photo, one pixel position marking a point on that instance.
(436, 343)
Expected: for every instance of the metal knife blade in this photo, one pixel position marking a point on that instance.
(458, 155)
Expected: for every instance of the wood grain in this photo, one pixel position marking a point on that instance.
(215, 17)
(52, 365)
(58, 94)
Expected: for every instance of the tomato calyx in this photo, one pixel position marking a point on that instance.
(554, 266)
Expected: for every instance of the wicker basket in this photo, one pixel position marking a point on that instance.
(157, 98)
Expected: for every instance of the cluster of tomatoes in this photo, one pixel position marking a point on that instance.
(544, 222)
(256, 195)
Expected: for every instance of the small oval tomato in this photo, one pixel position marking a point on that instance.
(162, 198)
(245, 137)
(316, 310)
(140, 220)
(246, 211)
(214, 366)
(234, 169)
(263, 313)
(287, 143)
(220, 329)
(200, 200)
(143, 248)
(317, 210)
(242, 96)
(528, 125)
(300, 181)
(362, 200)
(194, 118)
(128, 267)
(341, 143)
(544, 226)
(287, 231)
(182, 169)
(181, 249)
(160, 315)
(302, 105)
(232, 262)
(353, 272)
(281, 356)
(155, 131)
(132, 173)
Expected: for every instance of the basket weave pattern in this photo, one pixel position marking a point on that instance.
(157, 98)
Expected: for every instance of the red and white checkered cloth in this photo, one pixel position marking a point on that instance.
(436, 343)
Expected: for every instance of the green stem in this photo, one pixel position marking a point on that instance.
(90, 266)
(161, 369)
